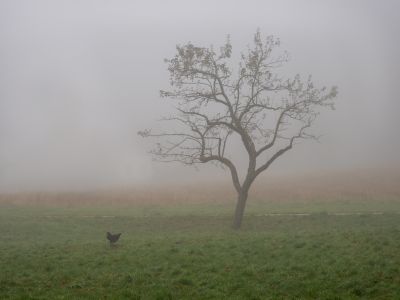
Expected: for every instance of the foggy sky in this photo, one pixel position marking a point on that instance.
(78, 79)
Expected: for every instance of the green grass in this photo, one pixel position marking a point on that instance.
(189, 252)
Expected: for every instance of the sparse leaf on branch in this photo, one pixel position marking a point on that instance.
(216, 101)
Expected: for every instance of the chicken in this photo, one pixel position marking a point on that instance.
(113, 238)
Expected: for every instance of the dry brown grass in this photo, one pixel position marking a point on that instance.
(328, 186)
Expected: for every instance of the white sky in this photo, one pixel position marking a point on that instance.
(78, 79)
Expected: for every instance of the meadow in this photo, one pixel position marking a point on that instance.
(344, 248)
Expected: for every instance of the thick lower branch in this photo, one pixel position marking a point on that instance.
(229, 164)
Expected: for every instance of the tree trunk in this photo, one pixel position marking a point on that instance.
(239, 211)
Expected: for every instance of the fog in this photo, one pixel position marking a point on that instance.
(79, 79)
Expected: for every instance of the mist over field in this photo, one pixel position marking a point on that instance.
(169, 150)
(78, 80)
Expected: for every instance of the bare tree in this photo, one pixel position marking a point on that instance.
(216, 102)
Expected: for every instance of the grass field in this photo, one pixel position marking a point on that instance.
(190, 252)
